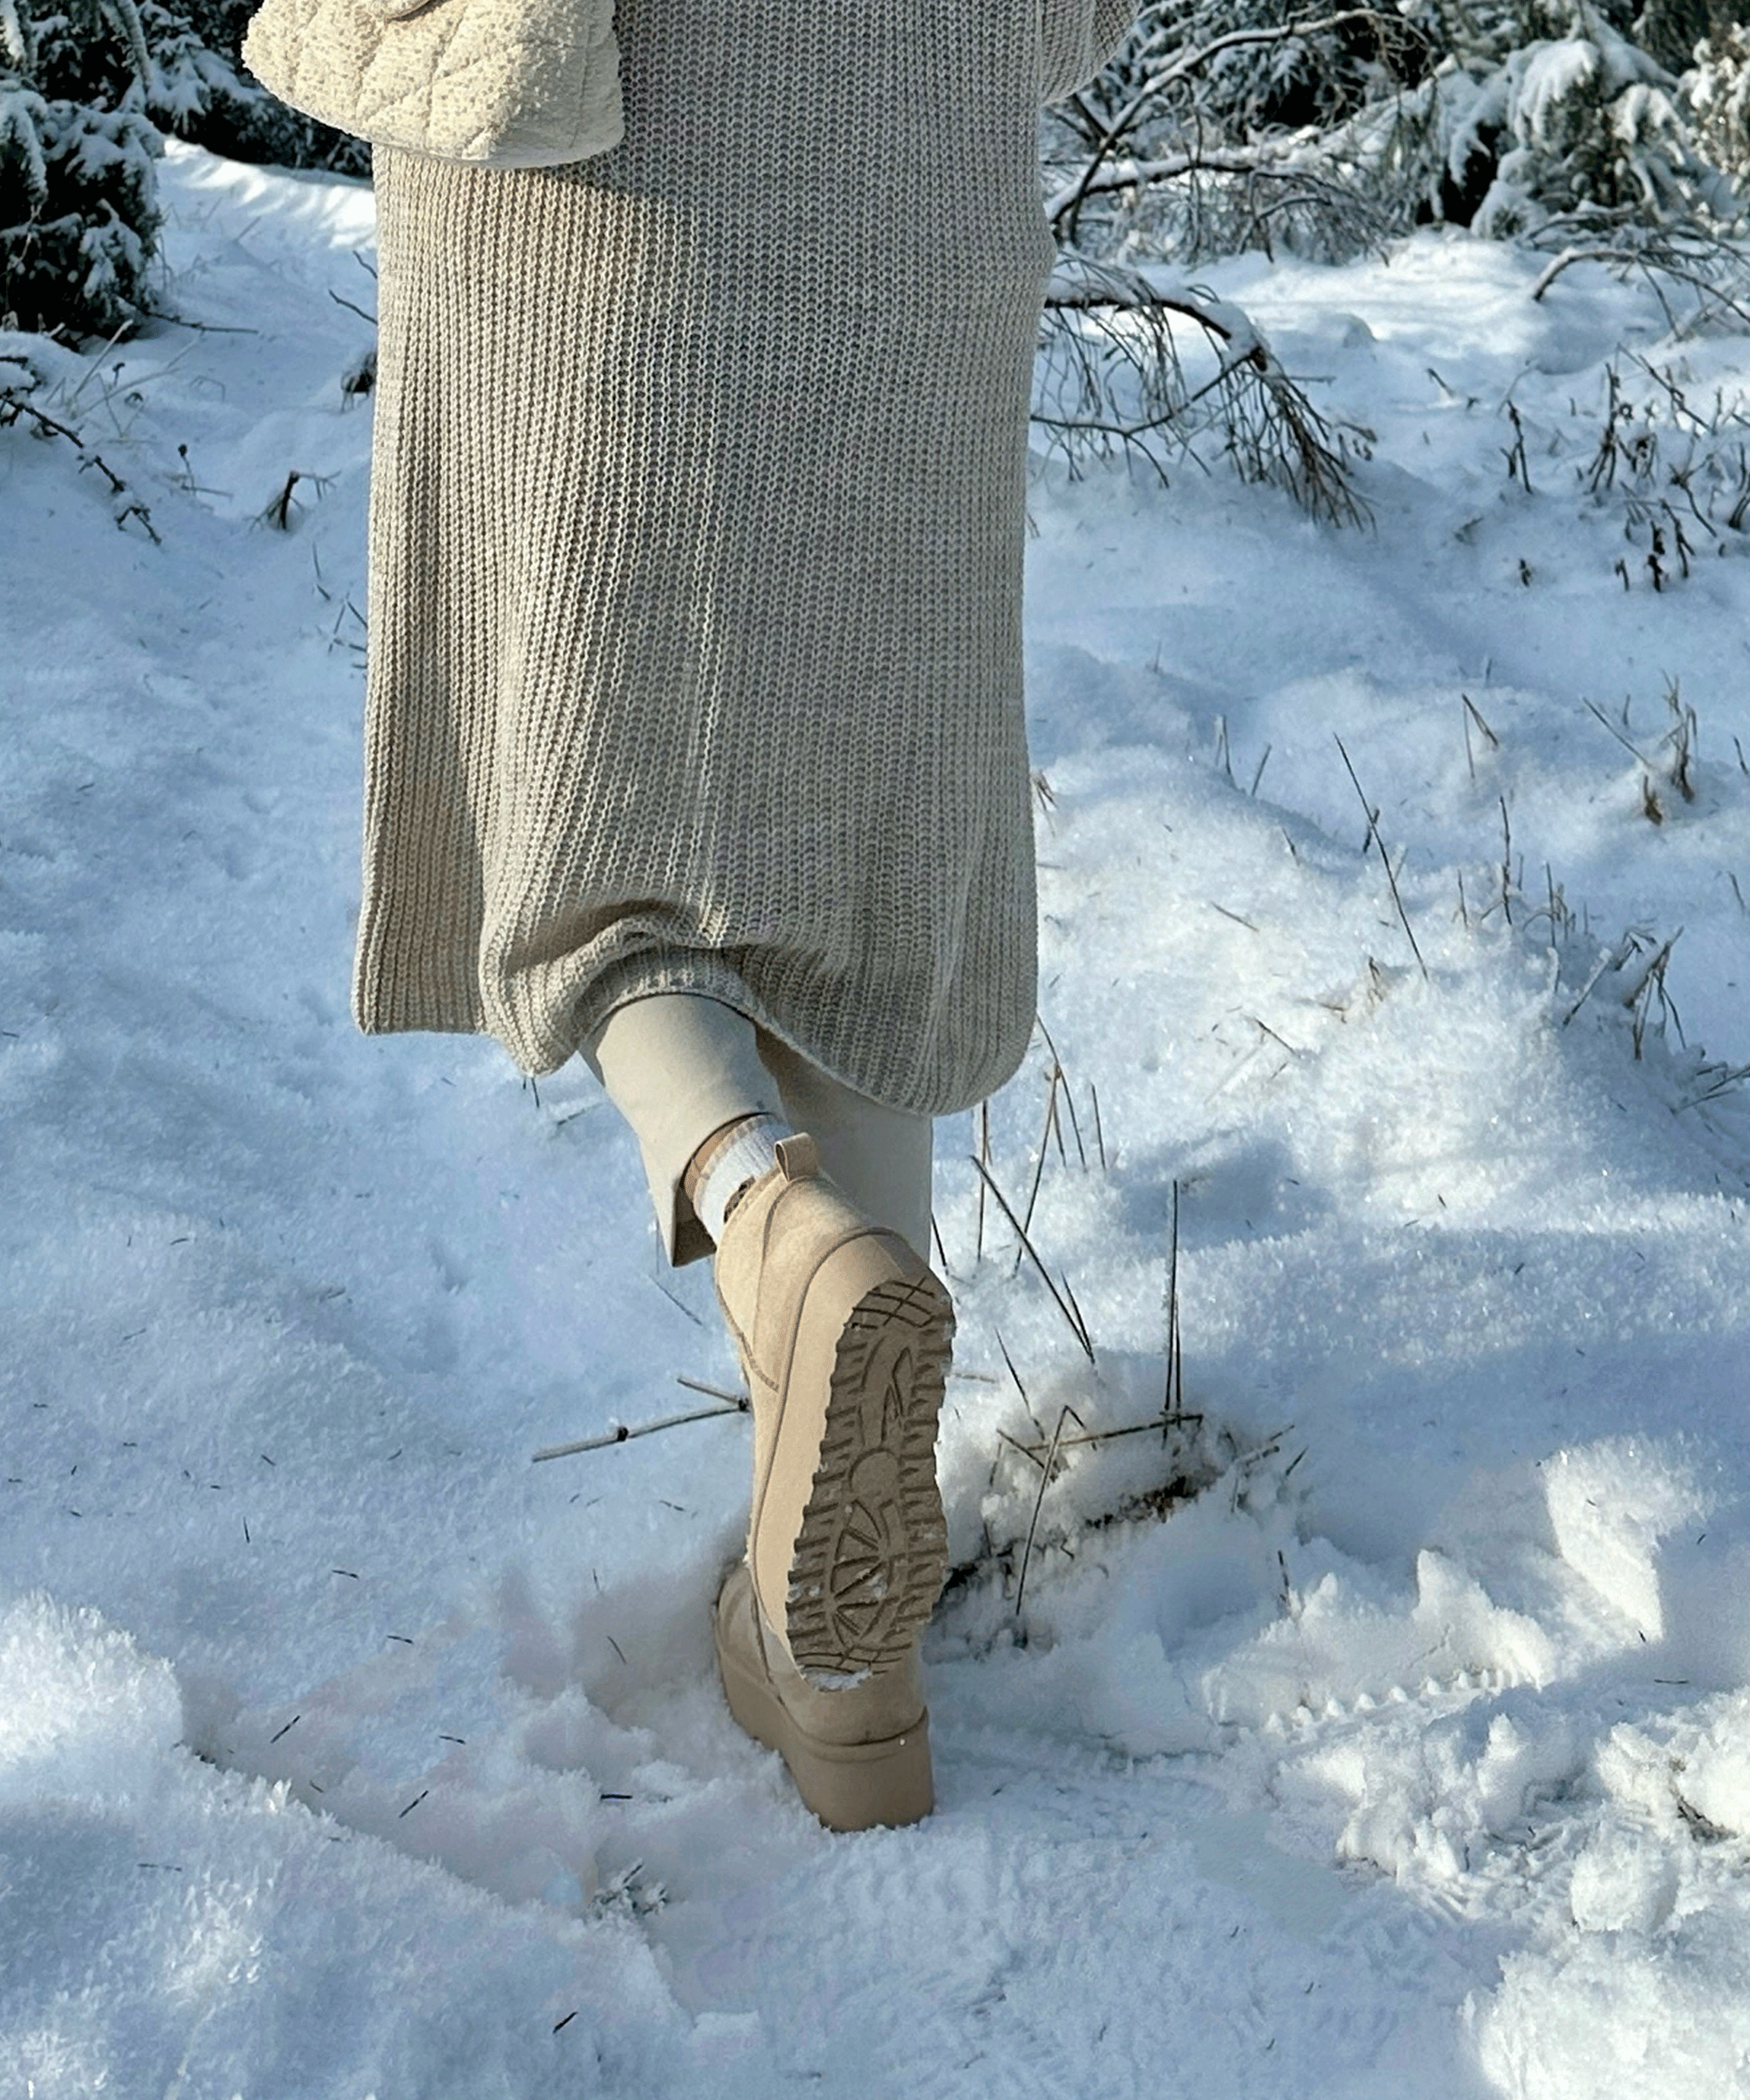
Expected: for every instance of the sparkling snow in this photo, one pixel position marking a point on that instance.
(343, 1751)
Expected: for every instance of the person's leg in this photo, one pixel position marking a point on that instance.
(680, 1069)
(843, 1335)
(881, 1157)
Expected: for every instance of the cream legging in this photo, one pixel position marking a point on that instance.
(678, 1067)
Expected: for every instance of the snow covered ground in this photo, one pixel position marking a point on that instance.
(343, 1751)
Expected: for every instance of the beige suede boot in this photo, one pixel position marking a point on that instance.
(858, 1756)
(844, 1336)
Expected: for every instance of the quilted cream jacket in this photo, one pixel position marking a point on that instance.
(508, 83)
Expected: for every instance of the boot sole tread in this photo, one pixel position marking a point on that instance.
(871, 1552)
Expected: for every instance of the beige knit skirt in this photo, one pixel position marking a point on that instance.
(697, 523)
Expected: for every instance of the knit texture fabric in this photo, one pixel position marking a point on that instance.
(696, 526)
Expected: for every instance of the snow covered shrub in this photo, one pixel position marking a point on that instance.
(1249, 122)
(197, 89)
(1112, 377)
(1224, 125)
(1717, 92)
(1204, 135)
(1585, 121)
(1268, 66)
(78, 194)
(1669, 30)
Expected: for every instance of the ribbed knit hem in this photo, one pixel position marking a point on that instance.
(918, 1075)
(410, 1005)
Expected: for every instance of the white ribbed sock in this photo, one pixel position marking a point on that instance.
(750, 1152)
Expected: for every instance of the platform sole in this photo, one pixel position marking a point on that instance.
(850, 1787)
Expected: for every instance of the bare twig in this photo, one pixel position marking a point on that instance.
(14, 405)
(1065, 211)
(623, 1433)
(351, 307)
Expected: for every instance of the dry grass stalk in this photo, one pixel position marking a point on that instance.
(280, 511)
(1681, 737)
(1065, 1413)
(1634, 750)
(983, 1153)
(1072, 1320)
(1172, 1402)
(1075, 1123)
(1092, 1437)
(1021, 1389)
(1026, 1450)
(1374, 838)
(1648, 984)
(1506, 863)
(1614, 960)
(1038, 1164)
(1470, 715)
(1721, 1080)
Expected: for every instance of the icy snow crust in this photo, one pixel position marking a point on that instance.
(343, 1751)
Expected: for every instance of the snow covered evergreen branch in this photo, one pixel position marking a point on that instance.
(1114, 380)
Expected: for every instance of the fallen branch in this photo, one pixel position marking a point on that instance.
(15, 405)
